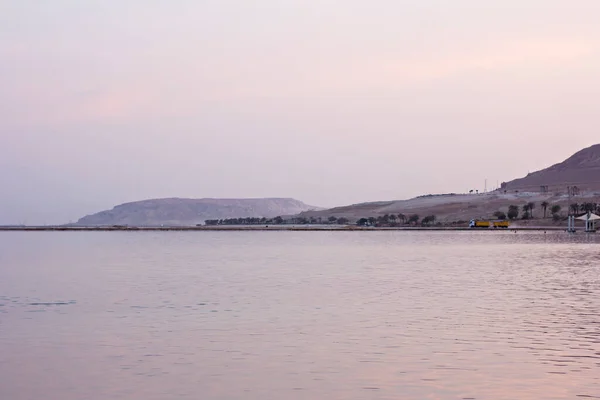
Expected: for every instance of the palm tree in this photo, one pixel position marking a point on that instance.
(526, 211)
(545, 205)
(531, 207)
(574, 208)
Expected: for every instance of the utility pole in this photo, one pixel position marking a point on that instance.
(570, 216)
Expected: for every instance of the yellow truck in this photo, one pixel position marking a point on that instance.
(501, 224)
(487, 224)
(479, 224)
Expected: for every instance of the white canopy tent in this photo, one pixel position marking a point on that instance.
(590, 221)
(589, 217)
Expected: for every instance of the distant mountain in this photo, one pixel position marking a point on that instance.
(582, 169)
(177, 211)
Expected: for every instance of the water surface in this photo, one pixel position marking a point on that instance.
(299, 315)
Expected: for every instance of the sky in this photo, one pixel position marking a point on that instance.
(331, 102)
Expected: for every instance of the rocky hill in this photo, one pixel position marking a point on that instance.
(581, 169)
(546, 186)
(177, 211)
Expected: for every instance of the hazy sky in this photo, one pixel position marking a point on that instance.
(331, 102)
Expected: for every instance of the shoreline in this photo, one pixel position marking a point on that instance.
(274, 228)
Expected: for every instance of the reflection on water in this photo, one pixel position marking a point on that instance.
(299, 315)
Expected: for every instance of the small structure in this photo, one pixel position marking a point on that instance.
(590, 221)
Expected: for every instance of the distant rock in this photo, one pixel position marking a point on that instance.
(176, 211)
(582, 169)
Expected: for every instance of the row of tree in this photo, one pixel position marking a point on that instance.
(382, 220)
(277, 221)
(396, 220)
(527, 209)
(244, 221)
(584, 207)
(513, 211)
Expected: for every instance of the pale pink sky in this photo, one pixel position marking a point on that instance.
(331, 102)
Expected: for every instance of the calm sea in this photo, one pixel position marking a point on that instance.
(299, 315)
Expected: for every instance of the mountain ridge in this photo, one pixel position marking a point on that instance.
(581, 169)
(187, 211)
